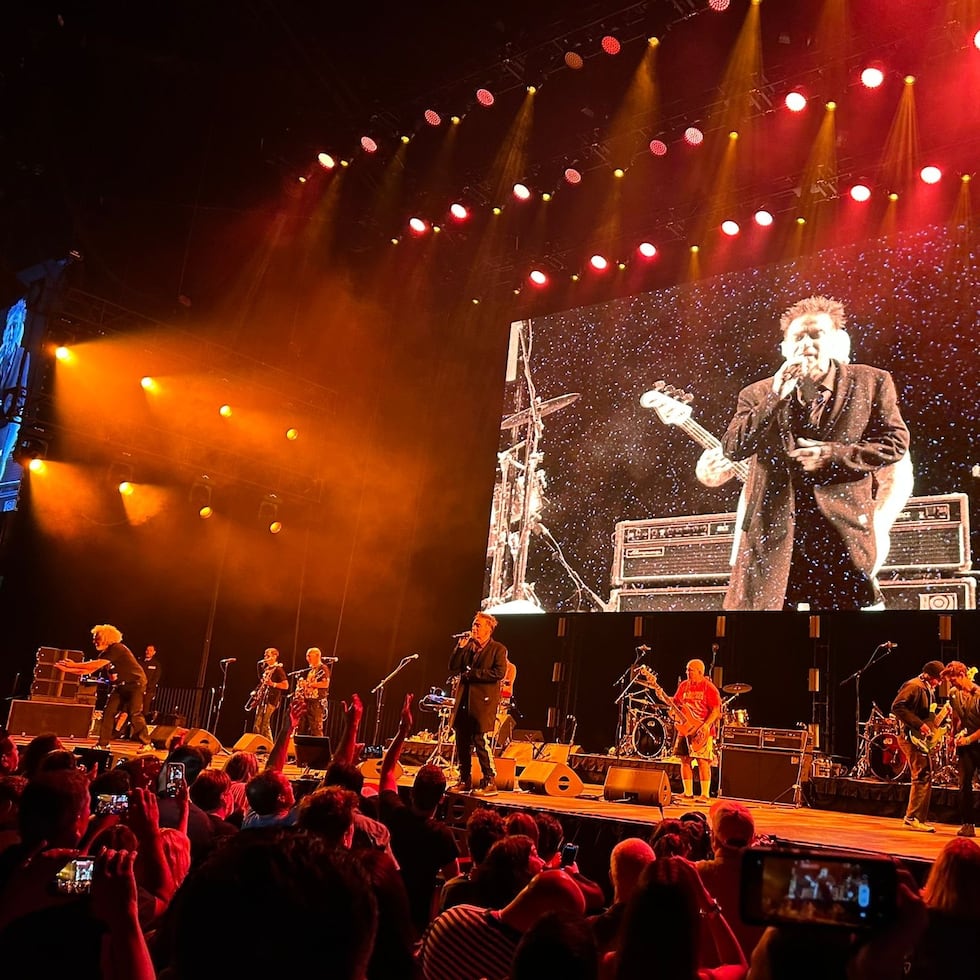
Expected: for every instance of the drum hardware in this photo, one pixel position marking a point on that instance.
(885, 757)
(737, 689)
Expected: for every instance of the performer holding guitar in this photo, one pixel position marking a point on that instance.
(965, 700)
(695, 708)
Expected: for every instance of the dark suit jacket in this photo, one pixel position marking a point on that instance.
(866, 430)
(479, 689)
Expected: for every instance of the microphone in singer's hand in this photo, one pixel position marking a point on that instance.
(459, 636)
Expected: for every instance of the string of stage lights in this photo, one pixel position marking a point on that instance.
(860, 178)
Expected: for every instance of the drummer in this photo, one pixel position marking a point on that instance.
(699, 700)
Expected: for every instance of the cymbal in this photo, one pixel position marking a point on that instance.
(737, 688)
(543, 408)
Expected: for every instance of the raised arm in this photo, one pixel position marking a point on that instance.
(353, 712)
(277, 757)
(386, 781)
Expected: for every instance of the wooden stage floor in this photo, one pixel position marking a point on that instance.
(799, 825)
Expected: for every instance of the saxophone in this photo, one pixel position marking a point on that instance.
(262, 689)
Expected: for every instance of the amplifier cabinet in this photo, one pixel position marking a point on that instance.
(765, 775)
(938, 594)
(785, 739)
(931, 535)
(39, 717)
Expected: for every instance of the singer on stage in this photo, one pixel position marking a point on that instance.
(480, 663)
(313, 687)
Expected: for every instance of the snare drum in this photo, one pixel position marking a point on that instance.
(737, 718)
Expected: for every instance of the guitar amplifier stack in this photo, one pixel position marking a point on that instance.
(764, 764)
(683, 563)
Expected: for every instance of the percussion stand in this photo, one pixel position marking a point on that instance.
(860, 751)
(436, 758)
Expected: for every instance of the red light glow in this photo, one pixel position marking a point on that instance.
(484, 97)
(572, 176)
(658, 148)
(418, 226)
(599, 262)
(538, 277)
(763, 218)
(647, 250)
(574, 60)
(521, 192)
(930, 175)
(693, 136)
(718, 5)
(730, 228)
(860, 193)
(459, 212)
(872, 77)
(368, 145)
(326, 161)
(432, 117)
(976, 40)
(796, 101)
(610, 45)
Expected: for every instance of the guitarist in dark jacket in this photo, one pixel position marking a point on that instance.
(480, 662)
(914, 707)
(965, 701)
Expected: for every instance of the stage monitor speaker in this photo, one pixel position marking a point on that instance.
(650, 787)
(550, 779)
(556, 752)
(312, 751)
(765, 775)
(161, 736)
(521, 752)
(527, 735)
(370, 769)
(201, 738)
(506, 774)
(39, 717)
(253, 742)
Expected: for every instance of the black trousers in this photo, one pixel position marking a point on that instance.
(469, 737)
(128, 698)
(312, 723)
(968, 759)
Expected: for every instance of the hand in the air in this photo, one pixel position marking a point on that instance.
(405, 721)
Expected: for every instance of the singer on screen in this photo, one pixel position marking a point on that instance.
(479, 663)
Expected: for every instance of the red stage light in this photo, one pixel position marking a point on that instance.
(930, 175)
(693, 136)
(763, 218)
(599, 262)
(976, 40)
(610, 45)
(459, 212)
(647, 250)
(572, 176)
(418, 226)
(574, 60)
(538, 277)
(326, 161)
(432, 117)
(860, 193)
(872, 77)
(521, 192)
(730, 228)
(368, 145)
(718, 4)
(484, 97)
(658, 148)
(796, 101)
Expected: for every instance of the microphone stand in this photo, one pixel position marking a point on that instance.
(379, 691)
(860, 760)
(221, 700)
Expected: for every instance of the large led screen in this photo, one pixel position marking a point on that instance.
(597, 505)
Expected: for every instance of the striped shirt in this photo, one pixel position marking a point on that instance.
(467, 942)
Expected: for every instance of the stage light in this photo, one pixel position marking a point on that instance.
(872, 77)
(497, 210)
(292, 434)
(205, 512)
(521, 192)
(37, 465)
(658, 148)
(695, 249)
(269, 513)
(599, 262)
(436, 229)
(546, 197)
(302, 178)
(610, 45)
(930, 175)
(801, 220)
(730, 228)
(621, 266)
(418, 226)
(126, 489)
(718, 5)
(200, 495)
(860, 193)
(976, 40)
(574, 60)
(458, 211)
(275, 527)
(647, 250)
(405, 139)
(432, 117)
(455, 120)
(368, 145)
(763, 218)
(484, 97)
(693, 136)
(572, 176)
(148, 384)
(574, 277)
(225, 411)
(63, 354)
(475, 301)
(532, 89)
(733, 135)
(619, 173)
(795, 101)
(538, 277)
(893, 197)
(831, 106)
(326, 161)
(909, 79)
(965, 178)
(394, 241)
(654, 42)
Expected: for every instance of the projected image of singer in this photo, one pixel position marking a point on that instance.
(815, 433)
(480, 663)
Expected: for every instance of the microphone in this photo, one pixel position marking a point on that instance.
(330, 660)
(889, 645)
(459, 636)
(229, 660)
(644, 648)
(413, 656)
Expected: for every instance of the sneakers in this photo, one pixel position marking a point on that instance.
(144, 747)
(913, 823)
(101, 748)
(682, 799)
(967, 830)
(704, 800)
(486, 788)
(463, 786)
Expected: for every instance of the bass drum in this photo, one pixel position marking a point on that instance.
(886, 758)
(652, 738)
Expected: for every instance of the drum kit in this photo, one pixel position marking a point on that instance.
(734, 717)
(880, 754)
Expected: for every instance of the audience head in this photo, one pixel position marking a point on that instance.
(429, 788)
(177, 850)
(559, 944)
(732, 827)
(11, 788)
(509, 865)
(9, 756)
(195, 761)
(242, 766)
(112, 782)
(116, 837)
(672, 838)
(627, 862)
(953, 885)
(329, 813)
(483, 829)
(550, 835)
(54, 808)
(522, 823)
(268, 877)
(211, 791)
(35, 751)
(346, 775)
(58, 759)
(553, 890)
(269, 792)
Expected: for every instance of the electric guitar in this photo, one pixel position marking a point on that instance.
(685, 723)
(894, 481)
(927, 743)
